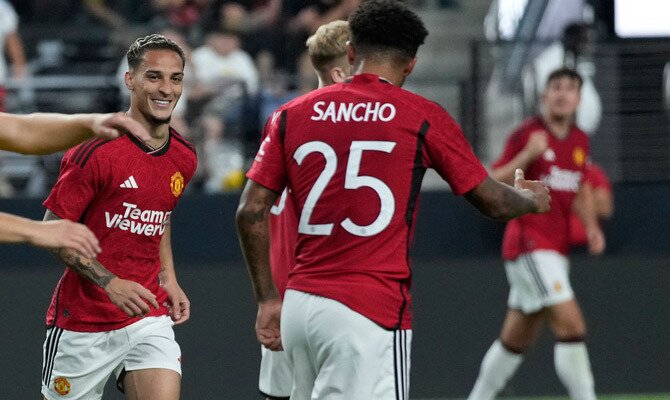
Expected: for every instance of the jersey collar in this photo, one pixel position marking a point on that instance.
(148, 149)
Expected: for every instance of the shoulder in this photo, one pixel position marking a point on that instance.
(80, 155)
(182, 143)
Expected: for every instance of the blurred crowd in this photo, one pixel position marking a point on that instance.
(245, 58)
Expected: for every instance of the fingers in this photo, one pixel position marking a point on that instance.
(82, 240)
(129, 124)
(270, 339)
(518, 178)
(146, 294)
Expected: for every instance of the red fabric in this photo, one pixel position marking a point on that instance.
(93, 188)
(561, 167)
(364, 267)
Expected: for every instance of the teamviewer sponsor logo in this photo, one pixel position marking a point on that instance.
(129, 183)
(138, 221)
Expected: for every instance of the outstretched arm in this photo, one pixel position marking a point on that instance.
(129, 296)
(52, 234)
(45, 133)
(180, 306)
(500, 201)
(253, 231)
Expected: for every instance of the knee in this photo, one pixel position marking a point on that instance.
(570, 332)
(515, 345)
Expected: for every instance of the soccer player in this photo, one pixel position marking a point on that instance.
(327, 50)
(552, 148)
(353, 155)
(45, 133)
(115, 313)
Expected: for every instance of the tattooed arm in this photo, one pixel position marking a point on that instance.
(129, 296)
(253, 232)
(502, 202)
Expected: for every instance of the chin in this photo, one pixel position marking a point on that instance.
(161, 120)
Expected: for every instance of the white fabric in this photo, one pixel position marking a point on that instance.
(276, 374)
(537, 280)
(338, 354)
(84, 360)
(210, 67)
(574, 369)
(497, 368)
(9, 23)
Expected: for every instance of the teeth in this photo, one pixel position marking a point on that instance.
(162, 102)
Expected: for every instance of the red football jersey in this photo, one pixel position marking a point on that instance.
(596, 177)
(354, 155)
(283, 238)
(561, 167)
(124, 192)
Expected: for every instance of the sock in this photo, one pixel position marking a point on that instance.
(497, 368)
(573, 368)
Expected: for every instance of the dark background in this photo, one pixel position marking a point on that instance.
(460, 293)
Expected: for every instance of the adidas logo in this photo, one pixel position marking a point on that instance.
(129, 183)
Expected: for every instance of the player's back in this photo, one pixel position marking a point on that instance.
(355, 154)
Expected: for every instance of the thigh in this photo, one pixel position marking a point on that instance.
(566, 321)
(152, 384)
(299, 355)
(153, 349)
(78, 364)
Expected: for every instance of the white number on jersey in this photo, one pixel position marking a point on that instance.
(351, 181)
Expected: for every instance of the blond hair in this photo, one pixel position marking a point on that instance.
(328, 44)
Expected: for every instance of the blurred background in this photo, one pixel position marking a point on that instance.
(484, 61)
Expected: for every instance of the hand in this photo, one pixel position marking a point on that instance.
(179, 305)
(267, 324)
(106, 126)
(65, 233)
(537, 144)
(537, 190)
(130, 297)
(596, 240)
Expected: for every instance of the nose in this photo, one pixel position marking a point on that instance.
(166, 88)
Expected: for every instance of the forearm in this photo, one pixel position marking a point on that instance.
(15, 229)
(44, 133)
(16, 54)
(505, 173)
(585, 207)
(167, 272)
(500, 201)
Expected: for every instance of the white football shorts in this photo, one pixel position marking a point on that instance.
(537, 280)
(76, 365)
(276, 374)
(338, 354)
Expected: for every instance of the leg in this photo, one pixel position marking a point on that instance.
(296, 345)
(518, 334)
(152, 384)
(571, 358)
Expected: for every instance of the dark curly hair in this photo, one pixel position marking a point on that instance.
(386, 26)
(151, 42)
(565, 73)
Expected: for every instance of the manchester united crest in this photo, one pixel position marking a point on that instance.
(579, 156)
(62, 386)
(177, 184)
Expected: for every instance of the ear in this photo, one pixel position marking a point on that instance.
(128, 79)
(337, 75)
(351, 53)
(410, 66)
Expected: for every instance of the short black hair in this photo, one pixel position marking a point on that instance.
(386, 25)
(151, 42)
(565, 73)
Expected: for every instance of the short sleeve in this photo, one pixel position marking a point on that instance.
(269, 167)
(75, 189)
(451, 156)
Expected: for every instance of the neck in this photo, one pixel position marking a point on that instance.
(383, 70)
(158, 132)
(559, 126)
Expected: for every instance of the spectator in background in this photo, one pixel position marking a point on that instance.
(10, 44)
(574, 51)
(596, 181)
(229, 84)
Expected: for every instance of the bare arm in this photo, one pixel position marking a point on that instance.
(16, 55)
(585, 208)
(536, 145)
(52, 234)
(500, 201)
(253, 231)
(45, 133)
(180, 306)
(129, 296)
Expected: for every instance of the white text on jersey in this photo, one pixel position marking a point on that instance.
(138, 221)
(357, 112)
(563, 179)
